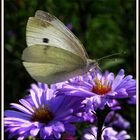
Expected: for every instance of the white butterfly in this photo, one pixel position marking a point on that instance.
(54, 54)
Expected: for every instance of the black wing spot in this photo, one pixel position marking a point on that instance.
(45, 40)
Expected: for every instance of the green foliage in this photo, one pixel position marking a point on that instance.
(103, 26)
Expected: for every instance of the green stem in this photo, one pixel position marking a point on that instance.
(101, 115)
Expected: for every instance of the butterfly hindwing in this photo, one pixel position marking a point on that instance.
(51, 54)
(50, 64)
(51, 73)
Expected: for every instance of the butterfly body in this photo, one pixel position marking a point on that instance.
(53, 54)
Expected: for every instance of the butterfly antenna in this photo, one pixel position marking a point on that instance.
(96, 66)
(109, 56)
(94, 63)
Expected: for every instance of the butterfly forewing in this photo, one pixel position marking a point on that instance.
(59, 30)
(42, 32)
(59, 25)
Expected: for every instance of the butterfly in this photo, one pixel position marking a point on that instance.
(54, 54)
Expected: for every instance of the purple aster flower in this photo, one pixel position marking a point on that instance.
(107, 134)
(115, 119)
(87, 116)
(42, 114)
(132, 100)
(69, 26)
(101, 88)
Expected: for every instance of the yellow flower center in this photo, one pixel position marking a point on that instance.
(42, 114)
(101, 88)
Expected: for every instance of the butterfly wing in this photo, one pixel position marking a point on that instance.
(46, 29)
(53, 54)
(59, 25)
(50, 64)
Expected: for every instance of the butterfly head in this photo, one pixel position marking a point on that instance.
(91, 64)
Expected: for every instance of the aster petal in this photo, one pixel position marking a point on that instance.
(23, 125)
(109, 131)
(81, 93)
(118, 79)
(34, 98)
(12, 119)
(72, 91)
(132, 100)
(131, 91)
(112, 102)
(46, 95)
(50, 94)
(106, 73)
(99, 74)
(55, 103)
(42, 133)
(79, 83)
(88, 137)
(123, 135)
(34, 131)
(110, 76)
(114, 93)
(121, 93)
(19, 107)
(24, 130)
(98, 102)
(26, 104)
(125, 81)
(57, 135)
(62, 110)
(42, 98)
(41, 93)
(12, 113)
(20, 138)
(36, 88)
(48, 130)
(14, 128)
(59, 127)
(64, 114)
(43, 86)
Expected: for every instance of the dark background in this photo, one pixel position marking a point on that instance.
(104, 27)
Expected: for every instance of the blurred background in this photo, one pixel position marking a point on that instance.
(104, 27)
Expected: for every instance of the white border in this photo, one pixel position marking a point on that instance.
(137, 69)
(2, 69)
